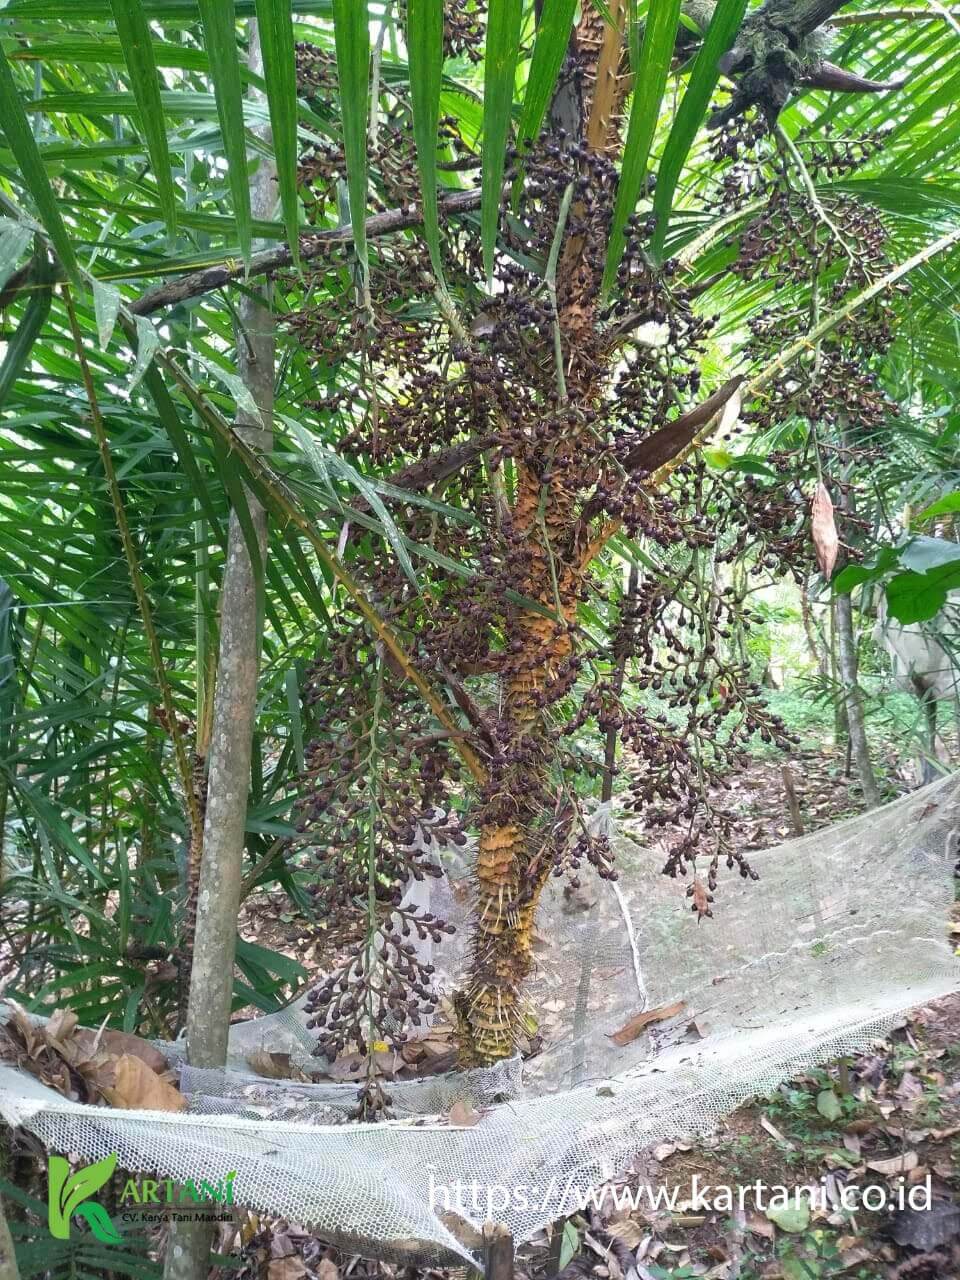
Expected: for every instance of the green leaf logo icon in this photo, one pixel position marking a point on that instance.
(95, 1216)
(65, 1193)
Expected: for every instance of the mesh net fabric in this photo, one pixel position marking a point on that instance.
(845, 930)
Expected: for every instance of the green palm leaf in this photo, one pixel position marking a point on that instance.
(550, 46)
(220, 36)
(500, 63)
(22, 143)
(31, 323)
(656, 53)
(280, 74)
(137, 42)
(720, 36)
(425, 50)
(352, 32)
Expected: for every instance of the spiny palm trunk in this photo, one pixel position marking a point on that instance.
(513, 862)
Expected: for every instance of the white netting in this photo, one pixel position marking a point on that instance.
(845, 930)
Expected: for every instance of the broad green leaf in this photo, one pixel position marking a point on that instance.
(106, 308)
(656, 53)
(944, 506)
(8, 668)
(750, 465)
(236, 386)
(162, 10)
(550, 46)
(828, 1104)
(717, 457)
(275, 962)
(231, 477)
(137, 41)
(170, 421)
(720, 36)
(634, 36)
(569, 1243)
(921, 553)
(220, 39)
(291, 685)
(499, 67)
(424, 35)
(280, 75)
(603, 9)
(324, 461)
(917, 597)
(13, 122)
(853, 575)
(792, 1218)
(352, 36)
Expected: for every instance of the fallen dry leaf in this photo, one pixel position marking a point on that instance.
(119, 1043)
(275, 1066)
(826, 543)
(62, 1024)
(630, 1030)
(138, 1088)
(349, 1066)
(896, 1164)
(289, 1268)
(462, 1114)
(627, 1230)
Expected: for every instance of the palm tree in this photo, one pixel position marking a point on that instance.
(468, 201)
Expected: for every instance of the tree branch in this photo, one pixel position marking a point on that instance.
(311, 246)
(892, 15)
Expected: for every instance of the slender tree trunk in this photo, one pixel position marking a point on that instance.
(839, 706)
(857, 745)
(8, 1260)
(817, 651)
(853, 700)
(218, 899)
